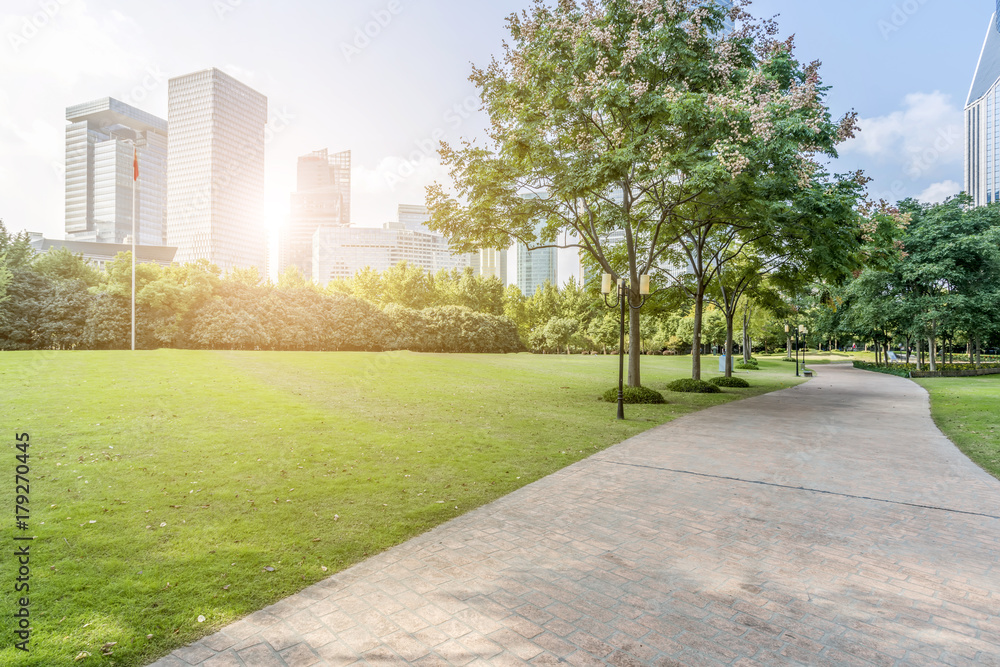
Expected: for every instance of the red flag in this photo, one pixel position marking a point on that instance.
(135, 164)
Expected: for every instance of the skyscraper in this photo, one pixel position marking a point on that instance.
(982, 122)
(100, 140)
(215, 170)
(322, 198)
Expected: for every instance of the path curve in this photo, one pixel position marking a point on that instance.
(827, 524)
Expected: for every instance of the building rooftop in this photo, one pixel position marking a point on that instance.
(108, 111)
(988, 70)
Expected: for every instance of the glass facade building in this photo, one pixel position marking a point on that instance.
(100, 140)
(215, 172)
(322, 199)
(982, 122)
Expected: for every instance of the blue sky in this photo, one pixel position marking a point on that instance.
(905, 66)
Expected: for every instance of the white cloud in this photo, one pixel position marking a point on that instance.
(923, 138)
(938, 192)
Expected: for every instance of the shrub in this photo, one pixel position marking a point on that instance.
(689, 386)
(899, 372)
(789, 360)
(723, 381)
(747, 365)
(634, 395)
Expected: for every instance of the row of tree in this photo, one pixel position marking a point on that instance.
(943, 291)
(659, 142)
(58, 301)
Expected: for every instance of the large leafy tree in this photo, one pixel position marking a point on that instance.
(624, 128)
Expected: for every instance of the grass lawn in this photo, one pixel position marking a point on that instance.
(966, 410)
(170, 485)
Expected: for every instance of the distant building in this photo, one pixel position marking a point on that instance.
(339, 252)
(215, 170)
(492, 264)
(101, 140)
(982, 122)
(535, 268)
(414, 217)
(322, 199)
(100, 254)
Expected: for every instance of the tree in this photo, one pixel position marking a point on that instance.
(633, 124)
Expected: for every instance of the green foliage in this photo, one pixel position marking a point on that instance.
(737, 383)
(751, 365)
(450, 329)
(634, 396)
(887, 370)
(60, 264)
(688, 385)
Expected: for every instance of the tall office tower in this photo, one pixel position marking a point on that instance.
(982, 122)
(100, 140)
(535, 268)
(215, 172)
(322, 199)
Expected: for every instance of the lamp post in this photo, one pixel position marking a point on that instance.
(623, 298)
(801, 330)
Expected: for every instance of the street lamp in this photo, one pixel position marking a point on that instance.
(623, 297)
(801, 330)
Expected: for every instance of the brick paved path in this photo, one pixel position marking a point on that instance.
(829, 524)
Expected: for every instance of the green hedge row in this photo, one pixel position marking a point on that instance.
(895, 369)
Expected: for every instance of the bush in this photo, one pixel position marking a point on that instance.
(747, 365)
(736, 383)
(898, 372)
(689, 386)
(789, 360)
(634, 395)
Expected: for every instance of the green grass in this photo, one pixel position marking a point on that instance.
(965, 409)
(164, 483)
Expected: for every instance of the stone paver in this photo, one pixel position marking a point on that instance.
(828, 524)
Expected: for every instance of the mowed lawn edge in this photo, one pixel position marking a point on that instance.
(965, 409)
(171, 485)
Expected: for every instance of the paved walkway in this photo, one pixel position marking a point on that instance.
(829, 524)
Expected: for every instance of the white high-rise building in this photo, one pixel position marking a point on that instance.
(982, 122)
(102, 139)
(215, 171)
(340, 252)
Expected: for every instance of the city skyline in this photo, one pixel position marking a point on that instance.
(910, 117)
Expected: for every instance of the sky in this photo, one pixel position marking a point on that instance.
(386, 78)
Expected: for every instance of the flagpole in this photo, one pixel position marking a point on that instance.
(135, 213)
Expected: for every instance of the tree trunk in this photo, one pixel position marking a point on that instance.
(634, 343)
(968, 347)
(788, 346)
(699, 308)
(931, 347)
(979, 350)
(907, 350)
(729, 345)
